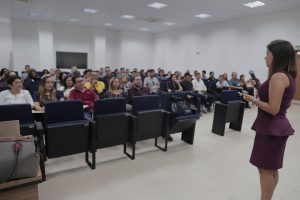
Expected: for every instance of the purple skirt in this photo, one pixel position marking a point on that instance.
(268, 151)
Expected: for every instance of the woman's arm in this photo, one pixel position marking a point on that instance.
(277, 85)
(38, 107)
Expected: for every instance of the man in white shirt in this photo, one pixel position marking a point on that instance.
(152, 82)
(199, 87)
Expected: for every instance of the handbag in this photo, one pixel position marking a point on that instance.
(18, 158)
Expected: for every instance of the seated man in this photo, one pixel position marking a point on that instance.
(152, 82)
(234, 82)
(94, 84)
(80, 92)
(137, 88)
(199, 87)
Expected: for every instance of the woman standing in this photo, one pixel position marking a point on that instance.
(271, 125)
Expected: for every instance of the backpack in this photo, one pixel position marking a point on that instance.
(179, 106)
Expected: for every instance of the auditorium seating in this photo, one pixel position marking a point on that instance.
(151, 120)
(114, 126)
(21, 112)
(230, 109)
(66, 129)
(185, 124)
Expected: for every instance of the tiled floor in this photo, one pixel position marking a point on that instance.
(214, 168)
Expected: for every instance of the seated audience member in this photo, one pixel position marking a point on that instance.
(115, 90)
(174, 85)
(2, 74)
(137, 88)
(186, 84)
(199, 87)
(73, 69)
(151, 82)
(46, 93)
(162, 76)
(247, 85)
(169, 75)
(45, 72)
(26, 73)
(60, 81)
(53, 75)
(15, 95)
(81, 93)
(125, 84)
(94, 83)
(225, 77)
(107, 77)
(67, 87)
(222, 84)
(6, 76)
(211, 83)
(204, 77)
(234, 82)
(32, 77)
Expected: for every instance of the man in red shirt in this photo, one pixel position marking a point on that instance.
(80, 92)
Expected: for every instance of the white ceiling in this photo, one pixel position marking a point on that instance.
(109, 11)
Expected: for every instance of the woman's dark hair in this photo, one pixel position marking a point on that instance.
(283, 58)
(11, 79)
(3, 70)
(45, 71)
(172, 76)
(65, 81)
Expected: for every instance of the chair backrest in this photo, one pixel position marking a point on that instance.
(163, 85)
(63, 111)
(109, 106)
(21, 112)
(165, 99)
(33, 87)
(142, 103)
(230, 96)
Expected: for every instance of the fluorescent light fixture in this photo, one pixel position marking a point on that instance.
(144, 29)
(73, 20)
(254, 4)
(108, 24)
(127, 17)
(89, 11)
(202, 15)
(169, 23)
(157, 5)
(34, 14)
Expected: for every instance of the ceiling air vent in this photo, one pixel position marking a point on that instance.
(152, 20)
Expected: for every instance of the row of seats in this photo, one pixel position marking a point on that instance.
(66, 130)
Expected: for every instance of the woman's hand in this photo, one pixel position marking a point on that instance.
(248, 97)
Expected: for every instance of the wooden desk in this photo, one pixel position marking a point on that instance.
(21, 189)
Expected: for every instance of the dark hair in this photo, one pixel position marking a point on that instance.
(187, 74)
(45, 71)
(74, 78)
(283, 58)
(133, 78)
(65, 81)
(87, 71)
(3, 70)
(11, 79)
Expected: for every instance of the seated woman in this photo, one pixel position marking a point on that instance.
(115, 90)
(174, 85)
(32, 77)
(67, 87)
(15, 95)
(46, 93)
(247, 85)
(125, 84)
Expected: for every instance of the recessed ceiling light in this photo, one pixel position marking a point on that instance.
(34, 14)
(73, 20)
(89, 11)
(157, 5)
(144, 29)
(107, 24)
(127, 16)
(254, 4)
(169, 23)
(202, 15)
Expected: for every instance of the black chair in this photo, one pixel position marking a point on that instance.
(230, 109)
(163, 87)
(66, 129)
(33, 87)
(21, 112)
(113, 127)
(185, 124)
(151, 120)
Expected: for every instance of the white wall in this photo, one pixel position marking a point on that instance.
(113, 48)
(5, 34)
(136, 49)
(237, 45)
(47, 54)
